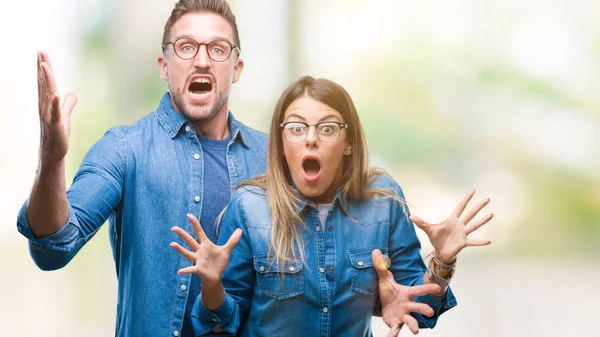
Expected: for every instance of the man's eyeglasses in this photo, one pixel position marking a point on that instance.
(327, 132)
(186, 49)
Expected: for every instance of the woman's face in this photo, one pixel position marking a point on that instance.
(315, 162)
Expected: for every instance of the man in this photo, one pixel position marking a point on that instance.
(185, 157)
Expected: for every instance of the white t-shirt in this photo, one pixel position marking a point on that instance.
(323, 211)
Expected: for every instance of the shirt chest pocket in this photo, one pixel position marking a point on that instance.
(364, 276)
(279, 282)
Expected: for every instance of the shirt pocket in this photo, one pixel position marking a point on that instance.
(279, 282)
(364, 276)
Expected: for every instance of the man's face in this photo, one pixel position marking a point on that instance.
(200, 87)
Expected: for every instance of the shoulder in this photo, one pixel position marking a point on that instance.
(135, 129)
(251, 203)
(383, 181)
(383, 199)
(251, 136)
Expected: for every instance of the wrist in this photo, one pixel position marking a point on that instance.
(444, 261)
(211, 285)
(50, 163)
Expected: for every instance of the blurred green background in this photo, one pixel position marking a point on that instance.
(501, 96)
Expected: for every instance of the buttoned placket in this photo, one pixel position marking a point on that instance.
(323, 250)
(195, 208)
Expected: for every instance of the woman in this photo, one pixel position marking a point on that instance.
(299, 243)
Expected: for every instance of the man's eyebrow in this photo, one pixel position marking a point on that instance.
(187, 36)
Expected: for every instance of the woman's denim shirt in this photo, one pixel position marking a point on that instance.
(335, 292)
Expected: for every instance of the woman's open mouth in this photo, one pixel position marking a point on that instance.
(312, 168)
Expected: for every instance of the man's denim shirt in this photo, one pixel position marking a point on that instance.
(335, 292)
(144, 178)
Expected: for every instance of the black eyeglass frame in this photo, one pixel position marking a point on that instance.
(308, 125)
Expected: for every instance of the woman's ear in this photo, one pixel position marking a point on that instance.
(348, 150)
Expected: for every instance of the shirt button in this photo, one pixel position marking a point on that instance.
(214, 319)
(322, 270)
(291, 268)
(318, 228)
(325, 310)
(262, 268)
(360, 263)
(330, 228)
(183, 287)
(331, 269)
(187, 128)
(196, 156)
(197, 198)
(175, 333)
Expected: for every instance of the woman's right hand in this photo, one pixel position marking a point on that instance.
(210, 260)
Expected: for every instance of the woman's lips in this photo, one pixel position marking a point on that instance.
(312, 168)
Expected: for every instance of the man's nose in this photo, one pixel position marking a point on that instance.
(201, 60)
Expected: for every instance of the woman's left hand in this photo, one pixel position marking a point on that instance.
(450, 237)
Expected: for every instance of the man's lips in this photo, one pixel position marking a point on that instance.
(200, 85)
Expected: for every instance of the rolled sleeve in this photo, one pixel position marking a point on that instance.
(64, 240)
(439, 304)
(225, 317)
(53, 251)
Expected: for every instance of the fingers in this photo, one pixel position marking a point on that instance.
(188, 270)
(424, 226)
(40, 77)
(394, 331)
(412, 323)
(69, 103)
(477, 242)
(186, 253)
(422, 290)
(49, 81)
(198, 229)
(473, 212)
(233, 240)
(191, 242)
(55, 115)
(420, 308)
(470, 228)
(381, 266)
(44, 57)
(380, 261)
(463, 204)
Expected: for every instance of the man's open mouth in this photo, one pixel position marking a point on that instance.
(200, 86)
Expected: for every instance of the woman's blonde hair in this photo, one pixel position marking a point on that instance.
(285, 201)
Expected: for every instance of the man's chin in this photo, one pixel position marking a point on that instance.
(197, 115)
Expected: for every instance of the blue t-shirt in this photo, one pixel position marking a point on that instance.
(215, 197)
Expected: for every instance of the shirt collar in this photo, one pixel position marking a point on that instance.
(303, 202)
(172, 121)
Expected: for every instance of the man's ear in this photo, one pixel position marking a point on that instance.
(237, 69)
(163, 67)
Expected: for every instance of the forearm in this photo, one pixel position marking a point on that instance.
(212, 296)
(48, 208)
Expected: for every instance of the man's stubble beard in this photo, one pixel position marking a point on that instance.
(180, 105)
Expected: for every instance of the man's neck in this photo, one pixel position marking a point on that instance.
(216, 128)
